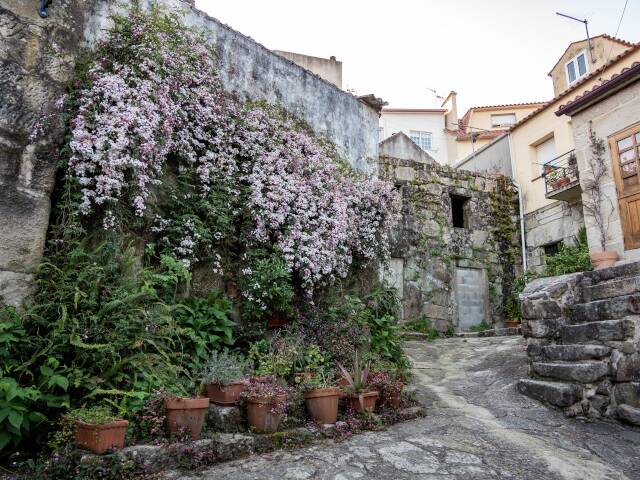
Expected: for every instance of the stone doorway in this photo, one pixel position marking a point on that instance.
(472, 296)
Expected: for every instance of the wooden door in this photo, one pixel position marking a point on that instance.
(625, 153)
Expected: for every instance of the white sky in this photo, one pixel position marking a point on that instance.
(489, 51)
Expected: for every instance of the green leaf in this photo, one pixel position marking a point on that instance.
(15, 418)
(5, 438)
(60, 381)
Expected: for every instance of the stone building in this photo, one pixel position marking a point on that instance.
(455, 250)
(37, 58)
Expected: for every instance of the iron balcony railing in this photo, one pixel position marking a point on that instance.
(560, 172)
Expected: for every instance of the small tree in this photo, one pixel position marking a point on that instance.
(597, 205)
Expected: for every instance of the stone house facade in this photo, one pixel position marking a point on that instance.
(455, 250)
(611, 112)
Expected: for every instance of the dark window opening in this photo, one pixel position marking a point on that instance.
(551, 249)
(460, 211)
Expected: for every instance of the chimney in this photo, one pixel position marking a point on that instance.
(451, 117)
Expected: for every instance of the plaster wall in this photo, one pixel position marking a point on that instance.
(391, 122)
(328, 68)
(494, 157)
(606, 118)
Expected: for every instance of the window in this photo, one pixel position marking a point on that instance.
(545, 152)
(422, 139)
(551, 249)
(503, 119)
(576, 67)
(459, 211)
(628, 148)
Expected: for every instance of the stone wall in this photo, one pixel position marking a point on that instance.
(452, 276)
(583, 342)
(559, 222)
(36, 58)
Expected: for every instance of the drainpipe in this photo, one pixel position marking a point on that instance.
(523, 240)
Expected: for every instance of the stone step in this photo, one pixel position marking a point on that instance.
(601, 331)
(583, 372)
(629, 414)
(606, 309)
(572, 353)
(555, 393)
(612, 288)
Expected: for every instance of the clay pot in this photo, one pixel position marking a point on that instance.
(225, 395)
(277, 319)
(361, 402)
(511, 323)
(322, 404)
(232, 290)
(186, 414)
(100, 438)
(260, 414)
(601, 260)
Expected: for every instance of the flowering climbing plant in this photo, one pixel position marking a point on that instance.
(151, 108)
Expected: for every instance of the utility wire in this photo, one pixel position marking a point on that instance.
(624, 9)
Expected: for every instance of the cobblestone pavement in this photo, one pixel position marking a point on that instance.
(477, 427)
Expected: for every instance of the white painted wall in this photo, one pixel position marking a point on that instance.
(434, 122)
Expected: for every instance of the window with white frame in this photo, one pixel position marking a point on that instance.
(545, 152)
(576, 68)
(422, 139)
(503, 119)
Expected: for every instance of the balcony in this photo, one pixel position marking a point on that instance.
(561, 178)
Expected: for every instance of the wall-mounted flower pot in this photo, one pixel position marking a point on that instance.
(186, 415)
(322, 404)
(225, 394)
(262, 413)
(277, 319)
(511, 323)
(100, 438)
(363, 402)
(601, 260)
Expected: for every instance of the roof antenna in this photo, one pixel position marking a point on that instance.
(435, 95)
(586, 26)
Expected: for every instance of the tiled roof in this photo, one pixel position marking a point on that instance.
(413, 110)
(482, 135)
(604, 35)
(506, 105)
(600, 88)
(578, 84)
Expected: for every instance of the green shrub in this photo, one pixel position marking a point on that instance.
(570, 258)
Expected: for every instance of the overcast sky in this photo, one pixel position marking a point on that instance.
(489, 51)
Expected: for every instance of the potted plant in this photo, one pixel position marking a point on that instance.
(185, 415)
(321, 397)
(388, 387)
(512, 313)
(266, 404)
(359, 396)
(306, 362)
(224, 378)
(596, 204)
(98, 430)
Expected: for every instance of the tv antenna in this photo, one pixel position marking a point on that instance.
(586, 27)
(436, 97)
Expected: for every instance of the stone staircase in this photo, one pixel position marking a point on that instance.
(583, 342)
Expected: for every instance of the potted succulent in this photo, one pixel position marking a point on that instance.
(388, 387)
(98, 430)
(359, 395)
(224, 378)
(185, 415)
(266, 404)
(321, 397)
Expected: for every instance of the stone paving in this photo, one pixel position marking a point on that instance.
(477, 427)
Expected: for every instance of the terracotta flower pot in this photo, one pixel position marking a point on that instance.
(186, 414)
(602, 260)
(225, 395)
(511, 323)
(322, 404)
(100, 438)
(362, 402)
(261, 416)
